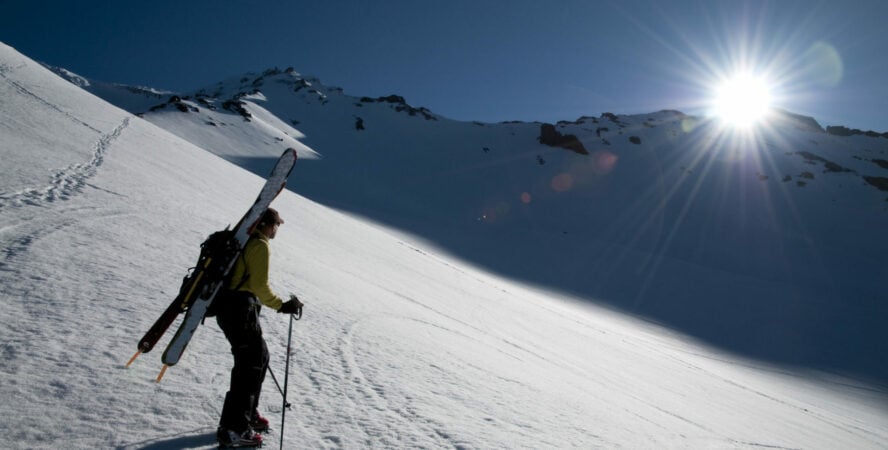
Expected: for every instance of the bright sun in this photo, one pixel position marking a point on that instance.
(742, 100)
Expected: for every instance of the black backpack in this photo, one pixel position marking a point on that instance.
(216, 255)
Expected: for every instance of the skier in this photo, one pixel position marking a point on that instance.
(238, 318)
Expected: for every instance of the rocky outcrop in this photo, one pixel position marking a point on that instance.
(551, 137)
(400, 105)
(237, 106)
(879, 182)
(839, 130)
(176, 102)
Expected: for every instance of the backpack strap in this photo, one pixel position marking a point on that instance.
(240, 284)
(244, 278)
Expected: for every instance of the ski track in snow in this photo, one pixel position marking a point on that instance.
(368, 399)
(69, 181)
(20, 245)
(33, 338)
(6, 68)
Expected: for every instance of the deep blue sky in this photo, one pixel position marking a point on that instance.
(483, 59)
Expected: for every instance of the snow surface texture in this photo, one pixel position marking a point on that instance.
(403, 345)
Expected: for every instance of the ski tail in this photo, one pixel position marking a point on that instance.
(192, 285)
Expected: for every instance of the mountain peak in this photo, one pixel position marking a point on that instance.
(797, 120)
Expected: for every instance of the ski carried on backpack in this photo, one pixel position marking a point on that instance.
(214, 248)
(217, 257)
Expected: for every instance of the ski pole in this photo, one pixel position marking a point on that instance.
(286, 403)
(286, 379)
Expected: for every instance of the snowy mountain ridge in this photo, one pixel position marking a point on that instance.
(788, 218)
(443, 320)
(232, 95)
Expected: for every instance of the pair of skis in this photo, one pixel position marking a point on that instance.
(201, 286)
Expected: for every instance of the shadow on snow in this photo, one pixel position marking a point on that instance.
(800, 323)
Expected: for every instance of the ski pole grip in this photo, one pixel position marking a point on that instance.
(298, 314)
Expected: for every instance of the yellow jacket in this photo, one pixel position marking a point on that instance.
(254, 262)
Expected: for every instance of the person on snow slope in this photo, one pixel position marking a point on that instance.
(241, 423)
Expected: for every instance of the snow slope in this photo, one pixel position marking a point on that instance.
(402, 345)
(769, 245)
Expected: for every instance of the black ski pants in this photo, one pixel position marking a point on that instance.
(239, 320)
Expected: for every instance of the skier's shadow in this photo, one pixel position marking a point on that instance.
(184, 440)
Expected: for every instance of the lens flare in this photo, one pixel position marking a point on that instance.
(604, 161)
(823, 65)
(562, 182)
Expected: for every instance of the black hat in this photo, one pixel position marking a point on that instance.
(271, 216)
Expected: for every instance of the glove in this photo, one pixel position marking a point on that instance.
(292, 306)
